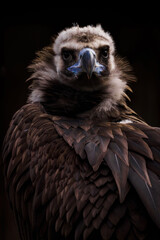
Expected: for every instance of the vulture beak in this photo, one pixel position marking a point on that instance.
(88, 60)
(87, 63)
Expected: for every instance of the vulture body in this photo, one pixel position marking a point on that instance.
(78, 162)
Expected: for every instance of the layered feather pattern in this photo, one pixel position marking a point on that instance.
(69, 178)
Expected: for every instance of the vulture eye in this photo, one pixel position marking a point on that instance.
(104, 52)
(67, 55)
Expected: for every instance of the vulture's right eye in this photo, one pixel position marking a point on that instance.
(104, 52)
(67, 55)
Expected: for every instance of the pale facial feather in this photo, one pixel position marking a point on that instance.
(73, 44)
(69, 34)
(68, 39)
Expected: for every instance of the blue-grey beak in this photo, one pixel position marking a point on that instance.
(87, 63)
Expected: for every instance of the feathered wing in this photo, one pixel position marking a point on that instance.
(78, 179)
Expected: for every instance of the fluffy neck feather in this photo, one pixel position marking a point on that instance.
(60, 99)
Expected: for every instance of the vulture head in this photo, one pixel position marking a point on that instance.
(79, 74)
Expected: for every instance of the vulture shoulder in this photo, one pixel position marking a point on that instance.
(82, 179)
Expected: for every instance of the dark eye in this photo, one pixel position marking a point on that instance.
(67, 55)
(104, 52)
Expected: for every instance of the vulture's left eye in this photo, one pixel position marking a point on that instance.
(104, 52)
(67, 55)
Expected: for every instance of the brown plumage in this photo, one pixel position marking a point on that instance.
(78, 162)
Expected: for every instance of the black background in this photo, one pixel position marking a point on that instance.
(23, 32)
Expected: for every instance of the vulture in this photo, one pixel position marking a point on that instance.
(78, 162)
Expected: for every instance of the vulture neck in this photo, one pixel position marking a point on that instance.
(62, 100)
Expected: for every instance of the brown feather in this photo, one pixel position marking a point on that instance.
(140, 146)
(138, 164)
(119, 171)
(78, 176)
(149, 195)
